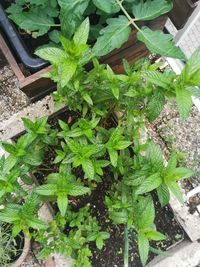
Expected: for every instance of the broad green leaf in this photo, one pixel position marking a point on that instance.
(32, 21)
(175, 189)
(81, 35)
(77, 190)
(179, 173)
(8, 217)
(62, 202)
(151, 9)
(36, 223)
(122, 145)
(88, 168)
(155, 105)
(107, 6)
(143, 246)
(67, 70)
(159, 43)
(184, 102)
(53, 54)
(145, 213)
(154, 235)
(191, 73)
(172, 163)
(71, 15)
(47, 190)
(99, 242)
(163, 194)
(119, 217)
(113, 156)
(154, 156)
(115, 90)
(113, 36)
(157, 78)
(194, 91)
(149, 184)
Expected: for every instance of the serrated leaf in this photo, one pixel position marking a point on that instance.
(113, 36)
(179, 173)
(88, 168)
(159, 43)
(113, 156)
(122, 145)
(149, 184)
(184, 102)
(151, 9)
(154, 155)
(143, 246)
(145, 212)
(71, 15)
(47, 190)
(163, 194)
(154, 235)
(77, 190)
(155, 105)
(107, 6)
(191, 72)
(67, 71)
(36, 223)
(157, 78)
(81, 35)
(53, 54)
(171, 165)
(175, 189)
(119, 217)
(62, 202)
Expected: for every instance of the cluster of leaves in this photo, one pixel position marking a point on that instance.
(92, 146)
(110, 27)
(82, 229)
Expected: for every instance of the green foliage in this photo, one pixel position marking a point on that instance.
(110, 29)
(102, 141)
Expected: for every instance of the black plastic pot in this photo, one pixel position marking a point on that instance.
(33, 64)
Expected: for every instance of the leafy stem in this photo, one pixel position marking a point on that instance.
(131, 20)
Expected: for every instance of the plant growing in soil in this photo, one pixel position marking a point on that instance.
(113, 22)
(101, 144)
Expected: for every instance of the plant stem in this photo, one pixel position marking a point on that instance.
(126, 246)
(132, 21)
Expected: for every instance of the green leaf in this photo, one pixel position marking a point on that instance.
(113, 156)
(154, 235)
(191, 72)
(155, 105)
(71, 15)
(174, 187)
(163, 194)
(62, 202)
(122, 145)
(53, 54)
(47, 190)
(115, 90)
(88, 168)
(143, 245)
(151, 9)
(157, 78)
(77, 190)
(99, 242)
(145, 212)
(119, 217)
(171, 165)
(149, 184)
(67, 70)
(109, 7)
(179, 173)
(81, 35)
(154, 155)
(184, 102)
(113, 36)
(159, 43)
(36, 223)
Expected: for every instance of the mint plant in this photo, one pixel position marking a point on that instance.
(113, 22)
(103, 144)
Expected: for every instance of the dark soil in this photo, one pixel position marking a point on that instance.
(112, 253)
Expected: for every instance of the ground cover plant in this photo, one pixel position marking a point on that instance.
(112, 22)
(105, 141)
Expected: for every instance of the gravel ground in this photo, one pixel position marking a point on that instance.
(12, 99)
